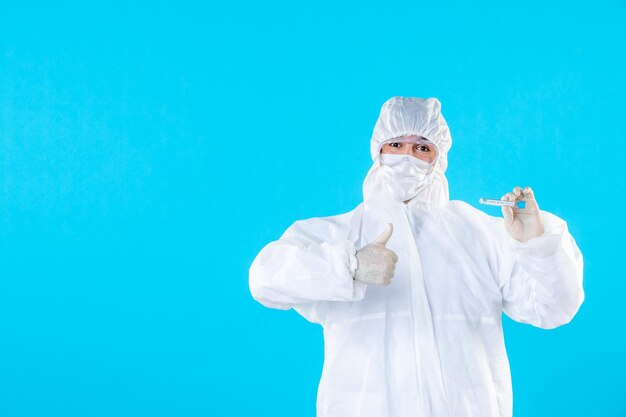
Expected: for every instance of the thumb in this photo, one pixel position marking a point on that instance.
(384, 236)
(507, 212)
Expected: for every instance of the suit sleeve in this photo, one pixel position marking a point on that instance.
(541, 279)
(311, 263)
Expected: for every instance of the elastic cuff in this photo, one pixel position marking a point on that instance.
(343, 286)
(354, 263)
(545, 244)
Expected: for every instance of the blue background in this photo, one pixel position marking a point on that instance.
(148, 152)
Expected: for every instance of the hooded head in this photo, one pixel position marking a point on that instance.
(408, 116)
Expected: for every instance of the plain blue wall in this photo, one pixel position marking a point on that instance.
(147, 153)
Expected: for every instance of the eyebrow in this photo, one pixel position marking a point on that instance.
(401, 139)
(398, 140)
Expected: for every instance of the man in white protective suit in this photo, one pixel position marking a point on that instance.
(429, 342)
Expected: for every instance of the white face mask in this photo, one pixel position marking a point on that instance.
(404, 175)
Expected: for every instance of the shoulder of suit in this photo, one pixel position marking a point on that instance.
(334, 221)
(472, 215)
(464, 208)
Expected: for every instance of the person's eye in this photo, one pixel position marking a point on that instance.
(423, 148)
(395, 144)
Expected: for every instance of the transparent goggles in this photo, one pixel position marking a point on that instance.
(416, 146)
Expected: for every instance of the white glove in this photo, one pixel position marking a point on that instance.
(526, 223)
(375, 262)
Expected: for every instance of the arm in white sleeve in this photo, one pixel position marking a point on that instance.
(301, 268)
(541, 280)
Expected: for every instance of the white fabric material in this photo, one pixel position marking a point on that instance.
(405, 175)
(429, 344)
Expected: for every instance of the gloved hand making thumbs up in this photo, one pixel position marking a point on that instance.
(376, 263)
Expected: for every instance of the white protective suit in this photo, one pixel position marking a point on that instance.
(430, 344)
